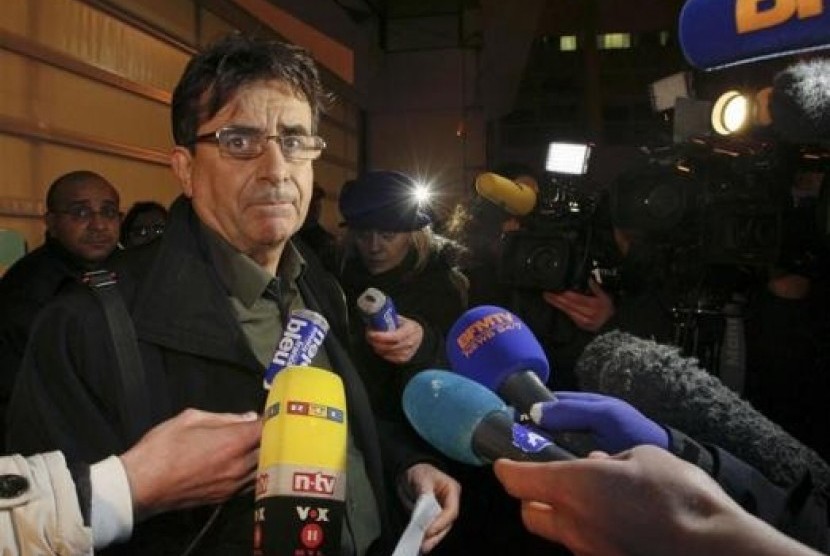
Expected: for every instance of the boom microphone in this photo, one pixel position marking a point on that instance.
(721, 33)
(800, 102)
(673, 390)
(301, 479)
(468, 423)
(514, 197)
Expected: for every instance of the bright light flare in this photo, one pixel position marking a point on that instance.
(422, 193)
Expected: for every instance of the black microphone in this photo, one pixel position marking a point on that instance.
(800, 102)
(675, 391)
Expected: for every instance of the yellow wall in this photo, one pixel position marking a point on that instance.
(86, 88)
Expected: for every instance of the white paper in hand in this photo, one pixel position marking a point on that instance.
(426, 508)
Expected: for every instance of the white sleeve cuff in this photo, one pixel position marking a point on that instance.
(111, 513)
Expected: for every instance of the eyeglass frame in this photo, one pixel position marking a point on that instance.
(214, 138)
(73, 212)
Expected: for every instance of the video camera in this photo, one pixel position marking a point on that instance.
(720, 202)
(557, 246)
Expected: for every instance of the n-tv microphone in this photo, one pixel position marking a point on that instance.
(675, 391)
(301, 479)
(468, 423)
(721, 33)
(514, 197)
(492, 346)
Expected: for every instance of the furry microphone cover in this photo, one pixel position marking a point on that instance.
(675, 391)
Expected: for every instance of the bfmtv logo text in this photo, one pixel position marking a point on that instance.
(314, 483)
(754, 15)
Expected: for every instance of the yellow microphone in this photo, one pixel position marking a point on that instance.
(301, 479)
(515, 197)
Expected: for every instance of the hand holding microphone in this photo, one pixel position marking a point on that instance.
(614, 424)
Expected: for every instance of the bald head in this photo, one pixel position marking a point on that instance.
(83, 215)
(63, 187)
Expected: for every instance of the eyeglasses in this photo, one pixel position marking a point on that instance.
(147, 231)
(83, 213)
(249, 142)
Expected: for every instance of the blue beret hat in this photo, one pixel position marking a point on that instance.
(382, 200)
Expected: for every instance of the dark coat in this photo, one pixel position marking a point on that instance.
(25, 289)
(194, 354)
(430, 296)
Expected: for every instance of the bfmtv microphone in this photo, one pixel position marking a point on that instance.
(468, 423)
(721, 33)
(492, 346)
(301, 479)
(516, 198)
(377, 310)
(301, 339)
(673, 390)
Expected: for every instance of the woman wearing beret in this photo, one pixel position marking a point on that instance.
(389, 246)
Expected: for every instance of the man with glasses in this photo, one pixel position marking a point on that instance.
(82, 225)
(208, 302)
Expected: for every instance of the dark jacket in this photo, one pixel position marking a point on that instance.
(430, 296)
(194, 354)
(25, 289)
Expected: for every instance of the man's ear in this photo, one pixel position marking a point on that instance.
(49, 221)
(181, 162)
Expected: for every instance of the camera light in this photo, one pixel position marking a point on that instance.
(730, 113)
(422, 193)
(568, 158)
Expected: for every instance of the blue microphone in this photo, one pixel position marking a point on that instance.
(468, 423)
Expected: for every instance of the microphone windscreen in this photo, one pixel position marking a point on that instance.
(301, 478)
(489, 343)
(516, 198)
(445, 409)
(720, 33)
(675, 391)
(800, 102)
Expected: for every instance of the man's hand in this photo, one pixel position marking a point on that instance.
(397, 346)
(424, 477)
(638, 502)
(192, 459)
(588, 312)
(614, 424)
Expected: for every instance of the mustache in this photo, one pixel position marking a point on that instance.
(275, 194)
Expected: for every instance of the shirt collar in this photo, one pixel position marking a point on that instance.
(243, 278)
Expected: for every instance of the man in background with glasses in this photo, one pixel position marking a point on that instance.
(208, 302)
(82, 225)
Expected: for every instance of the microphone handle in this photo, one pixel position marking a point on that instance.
(525, 388)
(498, 436)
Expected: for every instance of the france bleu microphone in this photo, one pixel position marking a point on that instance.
(377, 310)
(301, 478)
(468, 423)
(514, 197)
(301, 339)
(720, 33)
(494, 347)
